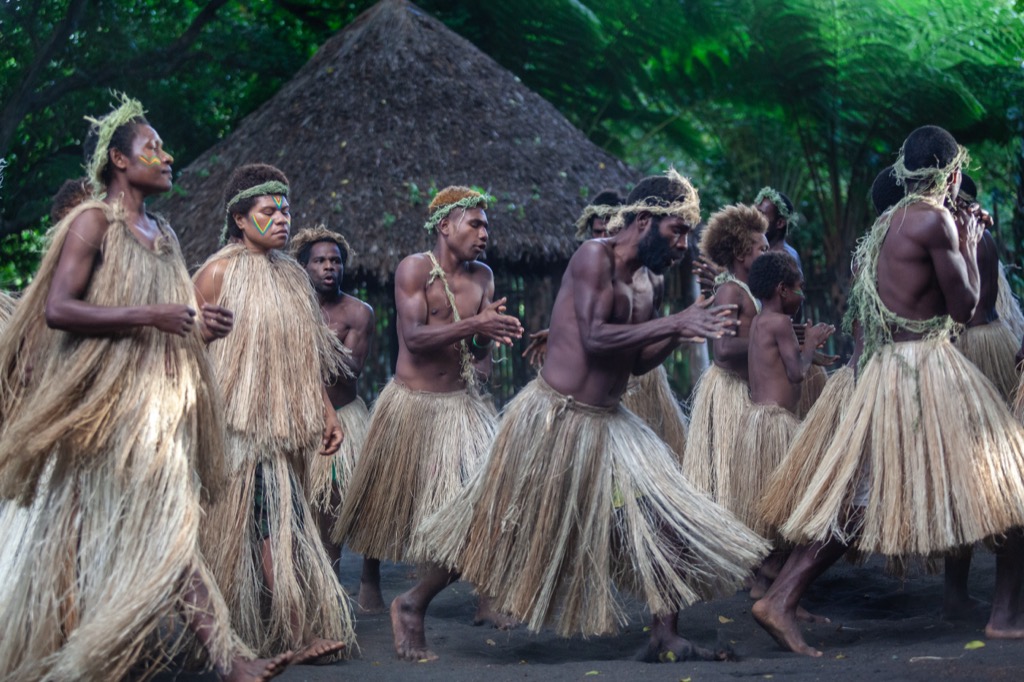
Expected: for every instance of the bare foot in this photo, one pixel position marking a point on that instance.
(318, 652)
(258, 670)
(407, 627)
(673, 648)
(806, 616)
(370, 598)
(485, 614)
(1012, 629)
(782, 627)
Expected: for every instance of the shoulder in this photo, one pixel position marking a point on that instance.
(361, 312)
(927, 224)
(413, 271)
(480, 272)
(593, 255)
(729, 292)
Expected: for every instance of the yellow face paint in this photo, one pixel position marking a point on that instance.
(149, 160)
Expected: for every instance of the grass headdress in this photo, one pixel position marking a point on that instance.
(104, 128)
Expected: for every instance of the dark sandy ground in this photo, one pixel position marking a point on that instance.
(883, 628)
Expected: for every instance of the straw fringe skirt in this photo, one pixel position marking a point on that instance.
(420, 452)
(993, 348)
(720, 400)
(793, 476)
(266, 501)
(943, 456)
(1008, 307)
(765, 434)
(101, 563)
(324, 474)
(577, 501)
(810, 389)
(650, 397)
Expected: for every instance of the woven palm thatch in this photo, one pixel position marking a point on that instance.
(393, 106)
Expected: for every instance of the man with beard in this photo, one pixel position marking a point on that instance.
(325, 255)
(579, 497)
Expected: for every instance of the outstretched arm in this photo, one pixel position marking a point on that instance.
(65, 307)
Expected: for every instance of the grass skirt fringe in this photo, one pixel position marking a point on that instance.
(993, 348)
(324, 474)
(576, 501)
(810, 389)
(720, 400)
(1008, 307)
(306, 590)
(765, 434)
(420, 452)
(945, 456)
(793, 476)
(650, 397)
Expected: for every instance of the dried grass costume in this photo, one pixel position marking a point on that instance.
(650, 397)
(810, 389)
(720, 400)
(576, 502)
(271, 368)
(765, 435)
(421, 450)
(1008, 307)
(993, 348)
(326, 473)
(943, 456)
(108, 440)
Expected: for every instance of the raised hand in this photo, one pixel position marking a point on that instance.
(705, 272)
(969, 223)
(817, 335)
(172, 318)
(703, 320)
(493, 323)
(537, 351)
(217, 321)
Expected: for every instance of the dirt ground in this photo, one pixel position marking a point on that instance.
(883, 628)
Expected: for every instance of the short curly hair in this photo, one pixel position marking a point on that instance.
(727, 236)
(301, 245)
(771, 270)
(453, 193)
(886, 191)
(242, 178)
(71, 194)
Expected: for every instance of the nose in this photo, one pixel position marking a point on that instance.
(168, 159)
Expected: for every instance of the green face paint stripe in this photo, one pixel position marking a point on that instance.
(278, 201)
(149, 160)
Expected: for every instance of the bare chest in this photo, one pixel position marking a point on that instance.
(467, 295)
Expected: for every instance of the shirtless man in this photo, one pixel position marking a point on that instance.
(778, 209)
(325, 255)
(574, 484)
(430, 428)
(911, 283)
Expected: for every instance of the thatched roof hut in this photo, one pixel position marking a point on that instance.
(390, 108)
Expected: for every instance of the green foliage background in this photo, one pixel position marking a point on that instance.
(811, 96)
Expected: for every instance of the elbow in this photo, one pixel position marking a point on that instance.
(55, 317)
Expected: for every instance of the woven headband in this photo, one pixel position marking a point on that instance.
(471, 201)
(128, 110)
(260, 190)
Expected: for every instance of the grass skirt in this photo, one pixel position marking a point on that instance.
(1008, 307)
(993, 348)
(576, 502)
(810, 389)
(945, 456)
(306, 590)
(650, 397)
(793, 476)
(720, 400)
(766, 432)
(324, 474)
(420, 452)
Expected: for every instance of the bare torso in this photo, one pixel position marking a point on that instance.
(922, 269)
(352, 322)
(424, 364)
(988, 273)
(730, 352)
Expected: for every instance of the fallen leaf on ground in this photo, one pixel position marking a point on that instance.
(723, 620)
(490, 642)
(976, 644)
(592, 672)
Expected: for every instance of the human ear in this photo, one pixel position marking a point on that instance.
(118, 158)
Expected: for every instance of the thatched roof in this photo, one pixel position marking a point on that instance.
(391, 107)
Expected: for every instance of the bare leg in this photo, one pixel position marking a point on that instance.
(197, 596)
(666, 646)
(409, 608)
(956, 601)
(370, 598)
(766, 573)
(777, 611)
(324, 521)
(1005, 621)
(317, 649)
(485, 614)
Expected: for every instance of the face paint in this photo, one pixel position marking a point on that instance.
(278, 201)
(263, 229)
(149, 160)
